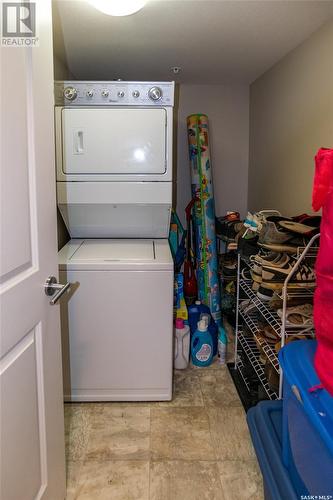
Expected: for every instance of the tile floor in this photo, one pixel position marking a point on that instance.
(196, 447)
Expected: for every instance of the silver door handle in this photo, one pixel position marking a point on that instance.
(51, 286)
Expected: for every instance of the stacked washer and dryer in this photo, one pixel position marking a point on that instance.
(114, 192)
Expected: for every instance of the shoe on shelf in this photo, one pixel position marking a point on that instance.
(230, 264)
(297, 227)
(261, 218)
(272, 376)
(248, 246)
(300, 217)
(261, 259)
(274, 277)
(256, 277)
(263, 255)
(290, 246)
(228, 274)
(264, 294)
(273, 259)
(247, 306)
(292, 338)
(272, 234)
(298, 316)
(260, 341)
(270, 335)
(250, 222)
(277, 303)
(307, 226)
(227, 258)
(225, 226)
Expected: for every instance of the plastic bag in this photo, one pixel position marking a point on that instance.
(322, 197)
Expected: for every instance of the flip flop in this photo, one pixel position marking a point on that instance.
(270, 335)
(302, 335)
(296, 227)
(298, 315)
(244, 304)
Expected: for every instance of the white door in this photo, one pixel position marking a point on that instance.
(114, 141)
(32, 431)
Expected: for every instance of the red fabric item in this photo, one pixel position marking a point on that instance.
(322, 197)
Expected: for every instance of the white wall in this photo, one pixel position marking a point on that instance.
(61, 72)
(227, 107)
(291, 116)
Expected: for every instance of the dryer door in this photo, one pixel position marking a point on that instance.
(113, 141)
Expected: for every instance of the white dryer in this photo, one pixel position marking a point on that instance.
(117, 321)
(114, 192)
(114, 158)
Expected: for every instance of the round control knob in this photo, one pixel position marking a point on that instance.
(121, 93)
(136, 93)
(105, 93)
(70, 93)
(90, 93)
(155, 93)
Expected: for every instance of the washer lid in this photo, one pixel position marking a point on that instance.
(116, 254)
(114, 251)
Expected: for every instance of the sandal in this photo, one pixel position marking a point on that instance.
(247, 306)
(298, 315)
(270, 335)
(303, 335)
(297, 227)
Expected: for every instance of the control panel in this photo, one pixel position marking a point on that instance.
(114, 93)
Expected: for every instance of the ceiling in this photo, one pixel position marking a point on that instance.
(212, 41)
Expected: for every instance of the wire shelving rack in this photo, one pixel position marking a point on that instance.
(261, 311)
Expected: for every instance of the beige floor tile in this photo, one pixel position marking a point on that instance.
(77, 428)
(241, 480)
(113, 480)
(184, 480)
(121, 404)
(119, 433)
(218, 388)
(230, 331)
(231, 352)
(186, 392)
(230, 433)
(181, 433)
(214, 366)
(72, 478)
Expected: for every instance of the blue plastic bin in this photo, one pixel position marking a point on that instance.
(265, 424)
(307, 422)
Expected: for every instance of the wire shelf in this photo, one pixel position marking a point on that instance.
(251, 350)
(269, 315)
(292, 291)
(240, 368)
(251, 322)
(306, 293)
(269, 352)
(311, 253)
(258, 311)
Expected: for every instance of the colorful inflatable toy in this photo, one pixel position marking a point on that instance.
(204, 214)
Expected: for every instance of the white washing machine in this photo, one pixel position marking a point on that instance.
(117, 321)
(114, 191)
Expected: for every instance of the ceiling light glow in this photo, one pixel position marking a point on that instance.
(118, 7)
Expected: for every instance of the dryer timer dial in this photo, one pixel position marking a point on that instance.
(155, 93)
(70, 93)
